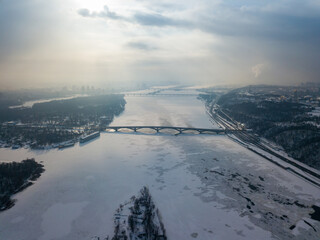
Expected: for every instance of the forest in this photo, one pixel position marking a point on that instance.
(283, 121)
(15, 177)
(73, 109)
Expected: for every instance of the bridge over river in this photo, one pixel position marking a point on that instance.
(160, 94)
(178, 129)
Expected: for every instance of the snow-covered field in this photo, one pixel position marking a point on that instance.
(206, 187)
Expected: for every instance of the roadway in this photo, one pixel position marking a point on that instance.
(179, 129)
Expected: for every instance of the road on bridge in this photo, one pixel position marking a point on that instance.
(179, 129)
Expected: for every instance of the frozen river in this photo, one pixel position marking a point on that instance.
(206, 187)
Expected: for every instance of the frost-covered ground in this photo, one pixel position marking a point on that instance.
(206, 187)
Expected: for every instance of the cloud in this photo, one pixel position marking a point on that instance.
(225, 39)
(158, 20)
(141, 46)
(141, 18)
(258, 23)
(106, 13)
(257, 69)
(261, 21)
(84, 12)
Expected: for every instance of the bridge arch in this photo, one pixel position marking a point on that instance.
(178, 129)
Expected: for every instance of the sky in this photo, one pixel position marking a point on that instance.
(50, 43)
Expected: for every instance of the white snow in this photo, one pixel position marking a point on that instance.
(57, 220)
(315, 112)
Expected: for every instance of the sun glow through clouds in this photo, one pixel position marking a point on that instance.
(92, 5)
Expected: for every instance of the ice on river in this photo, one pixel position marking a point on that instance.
(184, 111)
(199, 183)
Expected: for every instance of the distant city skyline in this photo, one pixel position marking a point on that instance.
(126, 43)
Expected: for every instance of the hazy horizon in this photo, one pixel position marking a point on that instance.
(111, 43)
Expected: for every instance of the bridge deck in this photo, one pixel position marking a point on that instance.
(160, 94)
(179, 129)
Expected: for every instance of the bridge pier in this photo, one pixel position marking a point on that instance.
(180, 130)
